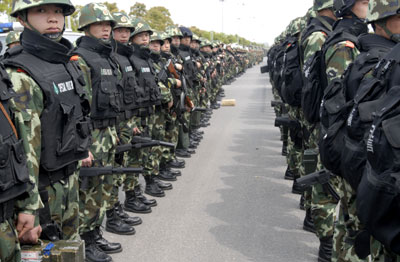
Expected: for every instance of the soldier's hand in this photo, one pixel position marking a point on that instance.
(25, 223)
(32, 236)
(178, 83)
(178, 67)
(198, 64)
(87, 162)
(170, 104)
(136, 131)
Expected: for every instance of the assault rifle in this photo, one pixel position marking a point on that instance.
(321, 177)
(264, 69)
(287, 122)
(138, 142)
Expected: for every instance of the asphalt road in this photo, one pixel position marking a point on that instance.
(231, 203)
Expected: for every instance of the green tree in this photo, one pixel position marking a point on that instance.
(159, 18)
(5, 6)
(138, 10)
(112, 7)
(75, 18)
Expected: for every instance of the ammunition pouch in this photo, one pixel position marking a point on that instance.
(310, 160)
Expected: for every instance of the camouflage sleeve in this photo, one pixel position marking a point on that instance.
(27, 107)
(338, 58)
(171, 82)
(166, 95)
(87, 76)
(312, 44)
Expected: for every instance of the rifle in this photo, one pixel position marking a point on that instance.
(138, 142)
(108, 170)
(276, 103)
(321, 177)
(287, 122)
(198, 109)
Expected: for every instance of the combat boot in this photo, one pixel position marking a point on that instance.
(182, 153)
(325, 249)
(133, 204)
(308, 223)
(176, 163)
(289, 174)
(166, 176)
(114, 224)
(161, 184)
(103, 244)
(92, 252)
(152, 187)
(132, 221)
(139, 195)
(172, 171)
(296, 188)
(301, 204)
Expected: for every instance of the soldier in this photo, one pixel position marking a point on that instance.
(54, 108)
(12, 39)
(94, 54)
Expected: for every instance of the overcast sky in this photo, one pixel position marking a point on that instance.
(256, 20)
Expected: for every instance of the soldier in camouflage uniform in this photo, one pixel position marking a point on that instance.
(94, 52)
(337, 58)
(12, 39)
(44, 52)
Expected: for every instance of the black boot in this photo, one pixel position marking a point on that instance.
(143, 199)
(161, 184)
(92, 251)
(176, 164)
(172, 171)
(289, 174)
(284, 149)
(308, 223)
(296, 188)
(325, 249)
(132, 221)
(182, 153)
(152, 187)
(166, 176)
(104, 245)
(301, 204)
(114, 224)
(133, 204)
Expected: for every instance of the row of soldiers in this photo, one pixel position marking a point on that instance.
(336, 100)
(80, 122)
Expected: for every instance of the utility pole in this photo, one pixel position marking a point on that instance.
(222, 15)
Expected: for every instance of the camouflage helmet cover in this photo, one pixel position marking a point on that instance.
(141, 26)
(205, 42)
(157, 36)
(12, 37)
(122, 20)
(322, 4)
(173, 31)
(295, 26)
(165, 36)
(93, 13)
(381, 9)
(20, 5)
(196, 38)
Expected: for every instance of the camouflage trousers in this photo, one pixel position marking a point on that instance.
(10, 250)
(64, 206)
(94, 198)
(171, 135)
(294, 157)
(158, 133)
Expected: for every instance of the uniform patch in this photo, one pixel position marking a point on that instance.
(63, 87)
(128, 69)
(145, 69)
(187, 58)
(106, 72)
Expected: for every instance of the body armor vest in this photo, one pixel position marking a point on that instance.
(150, 93)
(188, 66)
(14, 175)
(127, 85)
(64, 125)
(104, 75)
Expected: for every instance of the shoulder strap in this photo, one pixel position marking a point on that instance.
(8, 119)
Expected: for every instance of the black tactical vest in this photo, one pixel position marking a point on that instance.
(65, 128)
(104, 75)
(14, 175)
(151, 94)
(127, 85)
(188, 65)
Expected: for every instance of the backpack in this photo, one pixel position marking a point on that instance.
(292, 74)
(314, 79)
(378, 195)
(333, 111)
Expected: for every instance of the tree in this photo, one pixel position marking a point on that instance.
(75, 18)
(138, 10)
(159, 18)
(5, 6)
(112, 7)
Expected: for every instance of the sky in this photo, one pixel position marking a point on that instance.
(256, 20)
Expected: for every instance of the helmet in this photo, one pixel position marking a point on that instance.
(12, 37)
(205, 42)
(122, 20)
(94, 12)
(196, 38)
(343, 7)
(322, 4)
(215, 43)
(173, 31)
(295, 26)
(141, 26)
(165, 36)
(20, 5)
(186, 32)
(157, 36)
(381, 9)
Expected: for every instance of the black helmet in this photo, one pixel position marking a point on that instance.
(343, 7)
(186, 32)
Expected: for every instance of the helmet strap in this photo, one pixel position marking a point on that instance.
(393, 37)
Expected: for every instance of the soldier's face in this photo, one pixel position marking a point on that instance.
(142, 39)
(176, 41)
(122, 35)
(360, 8)
(186, 40)
(155, 46)
(46, 19)
(166, 47)
(13, 44)
(100, 30)
(194, 45)
(393, 24)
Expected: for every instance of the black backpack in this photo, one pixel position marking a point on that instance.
(291, 73)
(378, 195)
